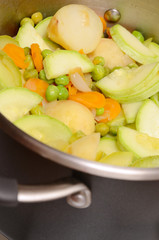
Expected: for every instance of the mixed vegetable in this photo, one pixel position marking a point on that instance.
(82, 87)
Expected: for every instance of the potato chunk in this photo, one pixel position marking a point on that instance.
(75, 115)
(112, 54)
(76, 27)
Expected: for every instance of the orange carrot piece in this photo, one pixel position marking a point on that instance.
(81, 51)
(71, 89)
(89, 99)
(37, 85)
(104, 23)
(16, 54)
(37, 57)
(111, 110)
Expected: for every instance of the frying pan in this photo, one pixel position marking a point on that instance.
(135, 14)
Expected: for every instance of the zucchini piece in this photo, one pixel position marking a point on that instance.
(131, 85)
(155, 98)
(132, 46)
(131, 110)
(10, 75)
(154, 47)
(147, 120)
(108, 145)
(147, 162)
(5, 39)
(140, 144)
(122, 159)
(17, 102)
(46, 129)
(41, 27)
(28, 35)
(60, 62)
(52, 45)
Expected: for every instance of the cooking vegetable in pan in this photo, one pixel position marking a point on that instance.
(95, 97)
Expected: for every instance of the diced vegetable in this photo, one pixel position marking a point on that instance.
(132, 46)
(16, 54)
(46, 129)
(17, 102)
(60, 62)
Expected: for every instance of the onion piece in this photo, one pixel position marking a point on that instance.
(79, 83)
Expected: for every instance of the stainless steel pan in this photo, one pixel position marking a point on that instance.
(136, 14)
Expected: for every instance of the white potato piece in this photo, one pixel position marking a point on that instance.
(75, 115)
(112, 54)
(76, 27)
(85, 147)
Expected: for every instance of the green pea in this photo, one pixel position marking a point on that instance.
(98, 72)
(99, 61)
(102, 128)
(26, 20)
(42, 75)
(31, 73)
(46, 52)
(37, 17)
(27, 51)
(77, 135)
(138, 35)
(38, 110)
(99, 111)
(62, 80)
(29, 60)
(63, 93)
(52, 93)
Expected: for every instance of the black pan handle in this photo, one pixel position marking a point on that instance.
(78, 195)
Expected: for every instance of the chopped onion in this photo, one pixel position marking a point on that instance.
(79, 83)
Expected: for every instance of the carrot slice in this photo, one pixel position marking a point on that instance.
(89, 99)
(81, 51)
(71, 89)
(16, 54)
(37, 57)
(111, 110)
(104, 23)
(37, 85)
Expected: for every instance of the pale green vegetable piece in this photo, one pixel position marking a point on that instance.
(10, 75)
(147, 120)
(27, 35)
(46, 129)
(147, 162)
(5, 39)
(132, 46)
(131, 85)
(108, 145)
(122, 159)
(17, 102)
(41, 27)
(154, 47)
(140, 144)
(131, 110)
(60, 62)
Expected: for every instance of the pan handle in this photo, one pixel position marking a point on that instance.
(77, 194)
